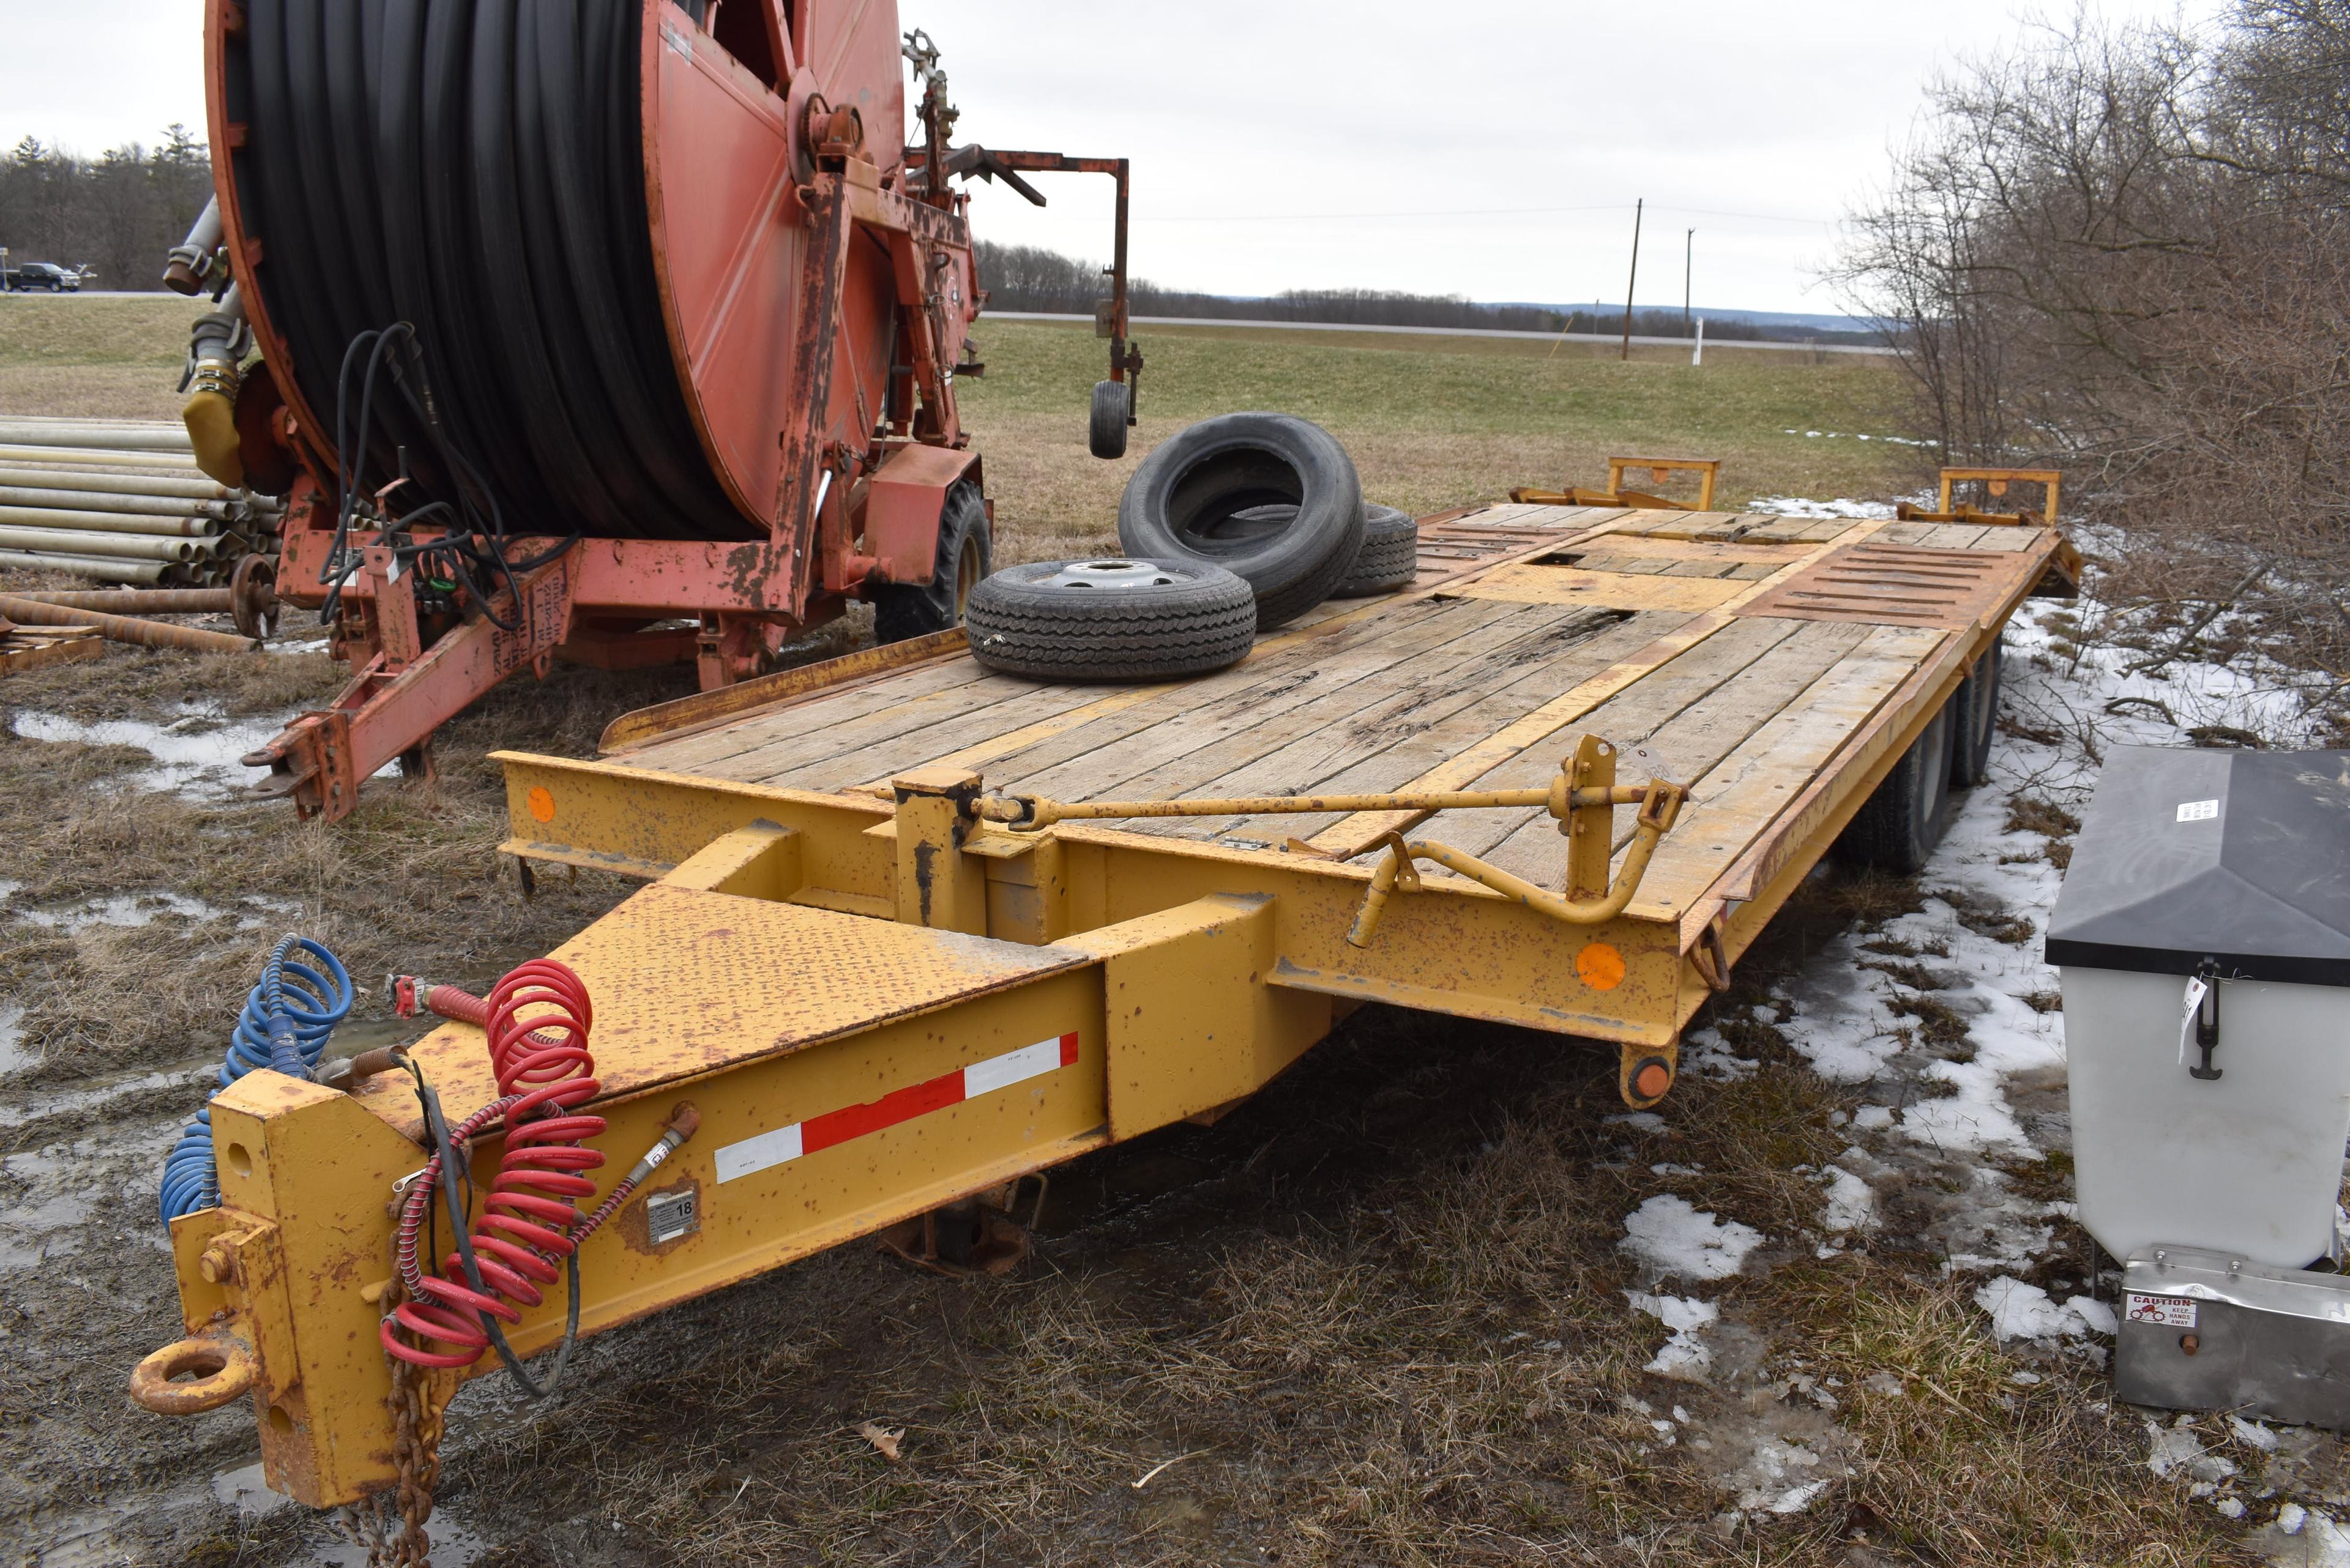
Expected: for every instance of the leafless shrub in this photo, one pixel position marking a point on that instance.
(2125, 252)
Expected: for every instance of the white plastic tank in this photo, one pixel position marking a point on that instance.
(2203, 936)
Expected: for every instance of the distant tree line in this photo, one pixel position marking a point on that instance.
(2124, 251)
(1029, 277)
(116, 213)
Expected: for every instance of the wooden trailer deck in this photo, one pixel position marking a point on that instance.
(1740, 654)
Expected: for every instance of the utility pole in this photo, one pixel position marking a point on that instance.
(1630, 282)
(1689, 270)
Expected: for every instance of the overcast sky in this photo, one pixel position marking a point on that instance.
(1489, 148)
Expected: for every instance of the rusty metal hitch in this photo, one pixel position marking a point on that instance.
(1660, 808)
(219, 1366)
(1561, 797)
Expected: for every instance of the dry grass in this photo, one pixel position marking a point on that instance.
(93, 359)
(1433, 422)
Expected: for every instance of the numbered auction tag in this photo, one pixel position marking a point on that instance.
(2197, 989)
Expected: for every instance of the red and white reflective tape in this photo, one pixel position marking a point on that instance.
(769, 1150)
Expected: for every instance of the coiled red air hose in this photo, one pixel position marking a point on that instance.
(530, 1221)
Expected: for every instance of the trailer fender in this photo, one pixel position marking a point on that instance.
(902, 504)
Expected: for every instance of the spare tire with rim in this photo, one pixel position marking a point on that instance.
(1390, 558)
(1208, 494)
(1110, 620)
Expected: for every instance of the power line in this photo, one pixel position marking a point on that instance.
(1465, 213)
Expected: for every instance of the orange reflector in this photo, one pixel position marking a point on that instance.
(541, 804)
(1600, 966)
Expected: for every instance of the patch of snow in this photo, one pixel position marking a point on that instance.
(1706, 1054)
(2253, 1434)
(1638, 1121)
(2019, 1310)
(1772, 1480)
(1871, 1118)
(2291, 1517)
(123, 910)
(196, 756)
(1684, 1355)
(1803, 506)
(1851, 1206)
(1669, 1236)
(12, 1035)
(2170, 1449)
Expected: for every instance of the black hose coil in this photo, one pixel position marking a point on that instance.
(475, 168)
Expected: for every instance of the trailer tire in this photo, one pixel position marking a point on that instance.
(1897, 827)
(1390, 558)
(1105, 431)
(1976, 721)
(965, 553)
(1204, 493)
(1111, 620)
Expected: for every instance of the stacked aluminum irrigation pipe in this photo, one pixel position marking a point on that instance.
(122, 501)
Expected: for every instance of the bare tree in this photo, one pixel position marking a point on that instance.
(2125, 252)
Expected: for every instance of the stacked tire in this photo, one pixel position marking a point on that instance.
(1246, 520)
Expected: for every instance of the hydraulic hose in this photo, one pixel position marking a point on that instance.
(474, 169)
(285, 1024)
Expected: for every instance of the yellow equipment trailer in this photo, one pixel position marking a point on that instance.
(911, 931)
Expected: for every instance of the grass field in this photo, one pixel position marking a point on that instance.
(1378, 1316)
(1433, 422)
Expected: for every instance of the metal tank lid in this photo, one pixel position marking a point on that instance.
(2240, 857)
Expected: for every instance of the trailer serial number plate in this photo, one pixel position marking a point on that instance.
(2163, 1312)
(668, 1215)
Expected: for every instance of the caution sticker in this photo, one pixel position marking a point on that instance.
(2163, 1312)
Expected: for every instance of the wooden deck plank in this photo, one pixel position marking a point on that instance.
(1084, 763)
(889, 742)
(1739, 798)
(1322, 739)
(1234, 762)
(1642, 522)
(1627, 719)
(1530, 583)
(936, 684)
(1257, 683)
(1447, 726)
(1690, 745)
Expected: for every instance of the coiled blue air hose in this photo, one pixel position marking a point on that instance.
(287, 1020)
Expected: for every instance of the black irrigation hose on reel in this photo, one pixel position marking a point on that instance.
(450, 196)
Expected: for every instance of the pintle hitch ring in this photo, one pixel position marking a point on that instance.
(222, 1365)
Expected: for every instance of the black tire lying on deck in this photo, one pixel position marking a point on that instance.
(1106, 429)
(1897, 827)
(1208, 494)
(1975, 719)
(1110, 620)
(1390, 558)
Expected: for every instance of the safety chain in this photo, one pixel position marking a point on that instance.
(416, 1424)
